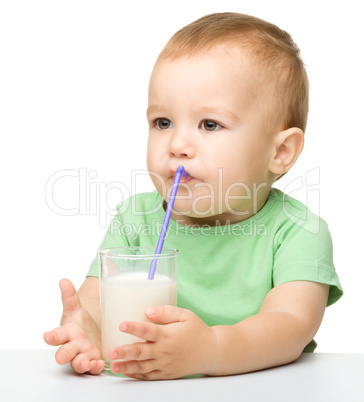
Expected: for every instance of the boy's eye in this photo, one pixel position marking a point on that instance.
(163, 124)
(210, 125)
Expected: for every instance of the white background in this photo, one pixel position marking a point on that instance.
(73, 96)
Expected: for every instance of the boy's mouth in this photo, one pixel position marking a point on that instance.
(185, 177)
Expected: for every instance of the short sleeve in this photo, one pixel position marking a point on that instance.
(114, 237)
(304, 251)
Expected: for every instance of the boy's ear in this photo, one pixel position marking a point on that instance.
(288, 145)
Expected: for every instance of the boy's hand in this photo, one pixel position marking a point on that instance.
(78, 334)
(183, 346)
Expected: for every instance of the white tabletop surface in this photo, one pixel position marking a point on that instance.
(33, 375)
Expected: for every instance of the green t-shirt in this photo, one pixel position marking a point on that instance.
(225, 272)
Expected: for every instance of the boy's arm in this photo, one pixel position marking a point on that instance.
(288, 319)
(89, 294)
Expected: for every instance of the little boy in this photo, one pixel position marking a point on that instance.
(228, 99)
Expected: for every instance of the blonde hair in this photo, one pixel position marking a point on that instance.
(272, 48)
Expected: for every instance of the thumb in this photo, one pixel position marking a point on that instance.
(166, 314)
(70, 298)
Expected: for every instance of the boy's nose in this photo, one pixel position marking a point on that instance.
(180, 146)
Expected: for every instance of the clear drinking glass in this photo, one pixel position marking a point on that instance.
(126, 291)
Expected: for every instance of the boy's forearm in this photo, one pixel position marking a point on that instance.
(89, 295)
(260, 341)
(93, 308)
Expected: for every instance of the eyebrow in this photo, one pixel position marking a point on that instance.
(154, 109)
(204, 109)
(223, 112)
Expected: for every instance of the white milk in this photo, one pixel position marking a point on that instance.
(125, 297)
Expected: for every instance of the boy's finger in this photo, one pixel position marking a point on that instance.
(166, 314)
(84, 362)
(97, 366)
(67, 352)
(144, 330)
(81, 363)
(70, 299)
(57, 336)
(134, 351)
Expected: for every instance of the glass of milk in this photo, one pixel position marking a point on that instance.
(126, 291)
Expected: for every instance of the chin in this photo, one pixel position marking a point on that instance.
(192, 210)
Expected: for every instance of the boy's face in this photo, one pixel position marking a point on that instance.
(204, 113)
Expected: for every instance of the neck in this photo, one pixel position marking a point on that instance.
(225, 218)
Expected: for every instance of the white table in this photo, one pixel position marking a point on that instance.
(33, 375)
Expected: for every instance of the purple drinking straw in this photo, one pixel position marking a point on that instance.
(167, 217)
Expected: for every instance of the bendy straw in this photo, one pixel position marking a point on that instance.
(167, 217)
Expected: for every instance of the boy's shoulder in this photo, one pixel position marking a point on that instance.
(141, 203)
(286, 201)
(141, 197)
(292, 212)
